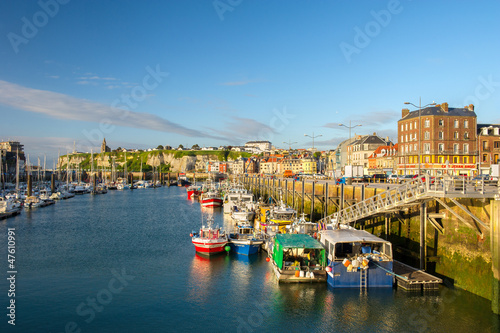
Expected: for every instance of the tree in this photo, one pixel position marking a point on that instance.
(195, 147)
(317, 155)
(180, 146)
(160, 147)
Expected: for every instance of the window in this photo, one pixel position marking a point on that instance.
(411, 126)
(402, 128)
(406, 126)
(466, 124)
(427, 159)
(466, 159)
(466, 148)
(455, 149)
(427, 135)
(485, 157)
(455, 124)
(441, 122)
(415, 147)
(441, 136)
(455, 135)
(406, 137)
(485, 145)
(455, 159)
(410, 136)
(410, 148)
(441, 147)
(466, 135)
(496, 144)
(427, 148)
(427, 123)
(440, 159)
(495, 159)
(415, 124)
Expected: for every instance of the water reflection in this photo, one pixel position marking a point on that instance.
(203, 269)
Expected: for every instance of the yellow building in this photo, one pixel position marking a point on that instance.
(309, 165)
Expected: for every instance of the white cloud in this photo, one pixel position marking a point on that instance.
(66, 107)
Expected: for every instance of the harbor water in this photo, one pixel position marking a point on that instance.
(124, 262)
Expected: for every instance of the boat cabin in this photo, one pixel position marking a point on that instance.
(298, 258)
(357, 258)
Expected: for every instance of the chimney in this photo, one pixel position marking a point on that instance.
(444, 107)
(405, 112)
(471, 107)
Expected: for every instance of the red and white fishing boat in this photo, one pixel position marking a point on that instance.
(211, 198)
(209, 240)
(193, 191)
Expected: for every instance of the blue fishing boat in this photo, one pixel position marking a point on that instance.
(244, 241)
(357, 258)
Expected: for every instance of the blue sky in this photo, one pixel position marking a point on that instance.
(144, 73)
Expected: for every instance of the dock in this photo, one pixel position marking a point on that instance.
(413, 279)
(9, 214)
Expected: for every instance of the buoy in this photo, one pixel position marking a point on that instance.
(191, 235)
(268, 259)
(227, 248)
(328, 269)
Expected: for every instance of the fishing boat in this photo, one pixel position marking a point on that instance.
(298, 258)
(210, 240)
(244, 241)
(275, 219)
(243, 213)
(301, 226)
(235, 195)
(357, 258)
(193, 191)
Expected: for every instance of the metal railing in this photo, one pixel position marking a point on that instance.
(412, 191)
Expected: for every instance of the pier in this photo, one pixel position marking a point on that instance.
(448, 228)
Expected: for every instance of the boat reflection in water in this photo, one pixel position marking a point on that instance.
(203, 270)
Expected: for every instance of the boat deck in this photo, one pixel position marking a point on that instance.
(289, 277)
(410, 278)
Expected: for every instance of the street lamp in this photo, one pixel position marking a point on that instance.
(313, 137)
(350, 127)
(289, 143)
(419, 128)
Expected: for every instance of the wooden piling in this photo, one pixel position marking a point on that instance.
(495, 254)
(29, 185)
(53, 183)
(423, 217)
(312, 200)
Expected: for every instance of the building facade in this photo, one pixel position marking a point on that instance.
(438, 140)
(489, 146)
(383, 160)
(363, 147)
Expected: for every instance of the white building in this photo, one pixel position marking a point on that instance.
(261, 146)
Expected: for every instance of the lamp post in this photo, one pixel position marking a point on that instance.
(313, 137)
(419, 128)
(350, 127)
(289, 143)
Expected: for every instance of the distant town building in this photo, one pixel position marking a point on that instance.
(383, 160)
(104, 147)
(489, 146)
(258, 146)
(445, 139)
(363, 146)
(12, 146)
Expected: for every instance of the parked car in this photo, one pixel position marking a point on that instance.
(394, 179)
(379, 178)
